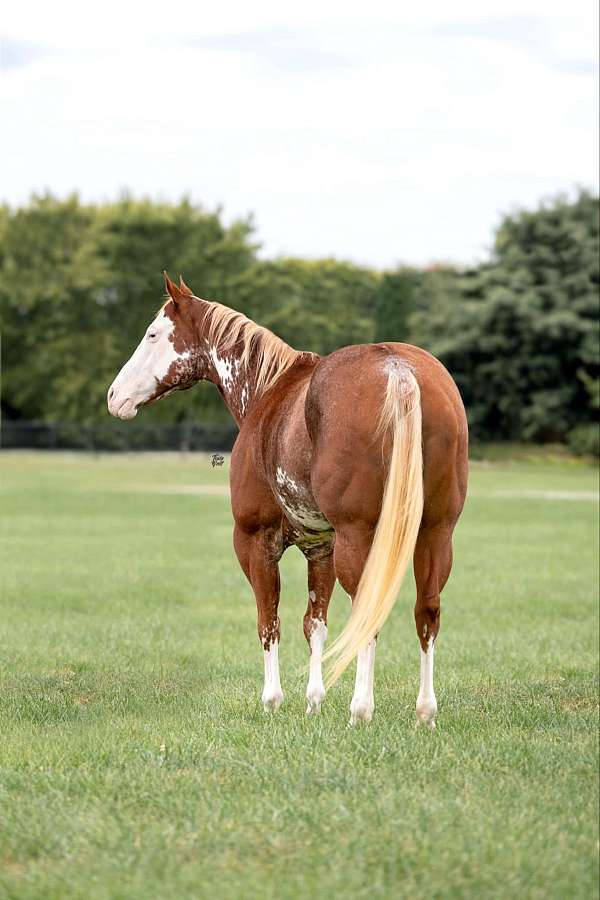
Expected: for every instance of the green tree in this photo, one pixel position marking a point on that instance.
(78, 285)
(396, 301)
(522, 340)
(48, 268)
(436, 296)
(315, 305)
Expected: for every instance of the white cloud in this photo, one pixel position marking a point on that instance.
(378, 135)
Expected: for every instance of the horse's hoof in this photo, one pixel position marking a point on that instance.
(314, 699)
(272, 702)
(428, 723)
(361, 711)
(426, 713)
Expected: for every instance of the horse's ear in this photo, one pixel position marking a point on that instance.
(184, 288)
(172, 290)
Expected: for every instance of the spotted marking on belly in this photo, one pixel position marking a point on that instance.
(297, 504)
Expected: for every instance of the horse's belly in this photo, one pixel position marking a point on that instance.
(298, 504)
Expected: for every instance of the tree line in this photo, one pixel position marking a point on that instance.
(519, 332)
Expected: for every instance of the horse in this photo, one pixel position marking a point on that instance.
(358, 458)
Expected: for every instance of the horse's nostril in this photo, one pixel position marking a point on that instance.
(111, 393)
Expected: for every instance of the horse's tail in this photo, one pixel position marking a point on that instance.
(399, 520)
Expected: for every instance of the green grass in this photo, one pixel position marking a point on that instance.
(136, 761)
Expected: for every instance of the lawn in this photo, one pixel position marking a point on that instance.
(136, 760)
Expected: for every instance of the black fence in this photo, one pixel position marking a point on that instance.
(116, 436)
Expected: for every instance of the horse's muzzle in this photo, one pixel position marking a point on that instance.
(122, 409)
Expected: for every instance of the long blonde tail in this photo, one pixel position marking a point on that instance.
(396, 532)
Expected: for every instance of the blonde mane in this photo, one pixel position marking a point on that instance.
(226, 327)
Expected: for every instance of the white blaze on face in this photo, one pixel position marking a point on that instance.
(137, 381)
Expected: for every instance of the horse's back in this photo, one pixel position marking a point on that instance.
(345, 390)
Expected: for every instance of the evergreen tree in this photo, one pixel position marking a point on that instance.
(522, 342)
(396, 301)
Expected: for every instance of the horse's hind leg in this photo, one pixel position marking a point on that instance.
(321, 581)
(432, 564)
(352, 546)
(258, 553)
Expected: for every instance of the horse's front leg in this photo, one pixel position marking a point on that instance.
(321, 581)
(258, 553)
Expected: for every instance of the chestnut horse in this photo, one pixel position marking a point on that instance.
(359, 458)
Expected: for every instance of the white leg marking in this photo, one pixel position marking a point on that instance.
(272, 695)
(315, 690)
(426, 702)
(363, 704)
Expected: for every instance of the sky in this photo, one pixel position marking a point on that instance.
(378, 132)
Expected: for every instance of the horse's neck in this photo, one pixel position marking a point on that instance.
(236, 380)
(233, 372)
(243, 363)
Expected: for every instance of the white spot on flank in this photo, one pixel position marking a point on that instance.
(297, 505)
(272, 695)
(426, 702)
(301, 514)
(286, 481)
(363, 703)
(315, 690)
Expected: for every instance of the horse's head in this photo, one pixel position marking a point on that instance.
(166, 359)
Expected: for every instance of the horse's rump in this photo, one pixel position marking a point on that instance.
(365, 420)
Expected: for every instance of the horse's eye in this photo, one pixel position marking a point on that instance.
(152, 335)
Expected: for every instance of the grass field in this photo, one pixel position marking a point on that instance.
(136, 760)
